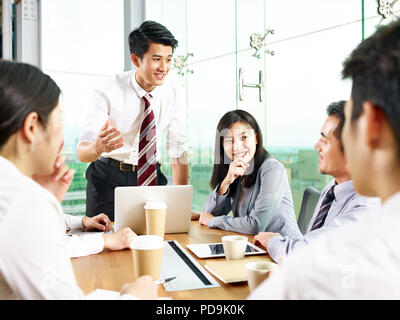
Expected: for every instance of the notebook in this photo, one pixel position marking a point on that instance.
(231, 271)
(177, 262)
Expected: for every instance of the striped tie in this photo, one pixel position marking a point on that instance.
(323, 211)
(147, 162)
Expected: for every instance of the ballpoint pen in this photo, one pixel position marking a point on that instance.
(161, 281)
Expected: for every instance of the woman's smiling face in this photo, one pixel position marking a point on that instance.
(240, 141)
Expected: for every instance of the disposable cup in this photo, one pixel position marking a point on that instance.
(147, 251)
(234, 246)
(155, 212)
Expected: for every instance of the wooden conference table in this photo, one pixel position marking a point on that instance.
(111, 269)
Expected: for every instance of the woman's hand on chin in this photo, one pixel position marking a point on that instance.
(59, 181)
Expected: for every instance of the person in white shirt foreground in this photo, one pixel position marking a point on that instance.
(34, 256)
(362, 259)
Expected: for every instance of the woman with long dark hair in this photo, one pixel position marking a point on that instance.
(248, 181)
(34, 255)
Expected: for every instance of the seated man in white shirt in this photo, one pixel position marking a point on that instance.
(338, 203)
(362, 259)
(122, 132)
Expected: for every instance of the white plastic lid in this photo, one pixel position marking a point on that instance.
(147, 242)
(234, 238)
(154, 205)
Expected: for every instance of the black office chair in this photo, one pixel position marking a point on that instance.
(310, 199)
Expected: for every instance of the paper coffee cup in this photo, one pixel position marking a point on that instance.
(155, 212)
(234, 247)
(257, 272)
(147, 251)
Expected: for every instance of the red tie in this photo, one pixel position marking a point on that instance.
(147, 163)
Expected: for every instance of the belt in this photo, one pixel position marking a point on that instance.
(121, 165)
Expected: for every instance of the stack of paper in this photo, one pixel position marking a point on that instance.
(232, 270)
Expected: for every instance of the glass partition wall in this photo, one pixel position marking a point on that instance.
(279, 60)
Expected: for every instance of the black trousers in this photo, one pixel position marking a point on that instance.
(102, 179)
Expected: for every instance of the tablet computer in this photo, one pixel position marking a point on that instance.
(214, 250)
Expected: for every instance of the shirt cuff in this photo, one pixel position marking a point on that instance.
(73, 222)
(219, 198)
(216, 222)
(177, 151)
(86, 136)
(276, 247)
(101, 294)
(85, 244)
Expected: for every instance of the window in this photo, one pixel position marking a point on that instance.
(82, 44)
(310, 41)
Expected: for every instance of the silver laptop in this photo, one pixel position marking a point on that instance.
(129, 207)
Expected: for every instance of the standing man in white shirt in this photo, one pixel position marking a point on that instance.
(338, 203)
(122, 133)
(362, 259)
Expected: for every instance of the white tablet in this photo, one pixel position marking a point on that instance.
(214, 250)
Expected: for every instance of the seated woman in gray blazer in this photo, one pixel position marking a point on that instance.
(248, 181)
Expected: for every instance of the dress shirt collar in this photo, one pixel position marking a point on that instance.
(8, 166)
(11, 169)
(392, 204)
(343, 190)
(140, 92)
